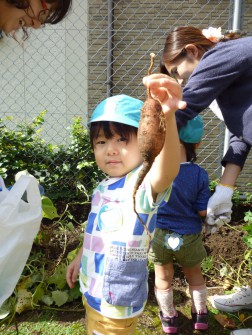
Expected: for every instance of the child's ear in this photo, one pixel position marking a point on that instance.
(197, 145)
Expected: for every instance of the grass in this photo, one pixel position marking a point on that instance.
(46, 323)
(53, 322)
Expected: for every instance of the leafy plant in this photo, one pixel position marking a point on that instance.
(207, 264)
(23, 149)
(64, 171)
(248, 239)
(213, 184)
(43, 281)
(248, 195)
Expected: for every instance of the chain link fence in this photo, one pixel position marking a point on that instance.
(102, 48)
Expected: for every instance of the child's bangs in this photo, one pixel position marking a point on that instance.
(110, 129)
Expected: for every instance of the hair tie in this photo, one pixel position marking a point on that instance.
(213, 34)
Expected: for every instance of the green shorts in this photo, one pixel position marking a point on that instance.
(191, 252)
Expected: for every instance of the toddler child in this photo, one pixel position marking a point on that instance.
(178, 234)
(112, 264)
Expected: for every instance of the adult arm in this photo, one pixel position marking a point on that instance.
(220, 204)
(237, 152)
(230, 174)
(219, 208)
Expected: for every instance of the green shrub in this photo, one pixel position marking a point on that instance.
(65, 172)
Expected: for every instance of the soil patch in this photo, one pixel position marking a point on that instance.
(225, 248)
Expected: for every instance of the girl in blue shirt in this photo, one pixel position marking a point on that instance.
(178, 234)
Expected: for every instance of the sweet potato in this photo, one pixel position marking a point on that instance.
(151, 136)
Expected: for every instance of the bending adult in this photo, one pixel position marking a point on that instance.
(23, 14)
(213, 66)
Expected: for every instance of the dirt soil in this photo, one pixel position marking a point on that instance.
(227, 244)
(226, 248)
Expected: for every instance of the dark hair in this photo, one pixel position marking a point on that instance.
(110, 129)
(190, 149)
(60, 8)
(162, 68)
(177, 39)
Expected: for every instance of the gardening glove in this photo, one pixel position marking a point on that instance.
(211, 229)
(219, 207)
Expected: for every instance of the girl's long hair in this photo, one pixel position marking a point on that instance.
(177, 39)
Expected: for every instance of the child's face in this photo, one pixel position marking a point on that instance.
(117, 156)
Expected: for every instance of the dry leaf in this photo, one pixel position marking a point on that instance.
(225, 321)
(24, 301)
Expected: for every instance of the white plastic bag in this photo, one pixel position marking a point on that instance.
(19, 224)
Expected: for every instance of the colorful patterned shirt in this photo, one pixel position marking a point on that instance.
(113, 273)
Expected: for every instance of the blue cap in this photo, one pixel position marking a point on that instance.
(193, 131)
(119, 108)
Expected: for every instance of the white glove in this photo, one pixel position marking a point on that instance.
(219, 208)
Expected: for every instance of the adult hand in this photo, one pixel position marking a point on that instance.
(166, 90)
(219, 208)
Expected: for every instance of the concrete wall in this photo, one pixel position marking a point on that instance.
(48, 72)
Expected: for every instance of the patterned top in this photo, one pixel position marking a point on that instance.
(113, 274)
(190, 194)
